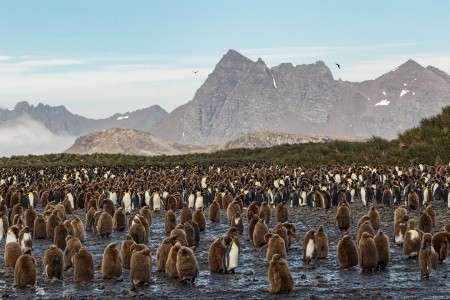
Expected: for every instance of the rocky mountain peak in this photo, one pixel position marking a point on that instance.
(22, 106)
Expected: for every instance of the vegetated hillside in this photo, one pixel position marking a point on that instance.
(428, 143)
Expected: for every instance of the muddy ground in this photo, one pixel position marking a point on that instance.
(321, 279)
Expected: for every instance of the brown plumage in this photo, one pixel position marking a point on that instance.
(70, 228)
(374, 217)
(186, 214)
(413, 240)
(12, 253)
(137, 231)
(53, 221)
(125, 251)
(104, 225)
(362, 220)
(140, 267)
(119, 220)
(383, 250)
(425, 222)
(399, 213)
(428, 258)
(25, 271)
(162, 253)
(440, 242)
(400, 228)
(413, 200)
(252, 210)
(78, 228)
(343, 217)
(187, 266)
(83, 266)
(432, 215)
(309, 246)
(347, 254)
(214, 211)
(73, 245)
(111, 262)
(199, 218)
(365, 227)
(189, 229)
(282, 213)
(367, 250)
(53, 262)
(29, 217)
(171, 264)
(275, 245)
(216, 256)
(265, 212)
(321, 243)
(237, 223)
(282, 231)
(40, 231)
(179, 234)
(251, 226)
(147, 214)
(259, 232)
(233, 208)
(59, 236)
(280, 278)
(108, 206)
(89, 218)
(170, 221)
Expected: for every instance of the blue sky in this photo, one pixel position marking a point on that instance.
(102, 57)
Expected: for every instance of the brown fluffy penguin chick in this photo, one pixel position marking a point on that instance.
(237, 223)
(400, 228)
(104, 225)
(170, 221)
(291, 233)
(108, 206)
(147, 214)
(347, 254)
(430, 211)
(252, 210)
(59, 237)
(280, 278)
(179, 234)
(70, 228)
(383, 250)
(275, 245)
(259, 232)
(119, 220)
(266, 212)
(190, 238)
(282, 213)
(282, 231)
(187, 266)
(40, 231)
(251, 226)
(78, 228)
(137, 231)
(162, 253)
(83, 266)
(428, 258)
(447, 227)
(365, 227)
(214, 211)
(29, 216)
(440, 242)
(368, 256)
(374, 216)
(399, 213)
(12, 253)
(171, 264)
(186, 214)
(321, 243)
(53, 221)
(73, 246)
(309, 246)
(25, 271)
(125, 251)
(232, 208)
(141, 267)
(343, 217)
(111, 262)
(425, 223)
(216, 256)
(413, 200)
(413, 240)
(53, 262)
(199, 218)
(89, 218)
(362, 220)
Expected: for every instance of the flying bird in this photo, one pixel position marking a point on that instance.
(338, 65)
(195, 72)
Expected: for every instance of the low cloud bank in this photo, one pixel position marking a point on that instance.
(26, 136)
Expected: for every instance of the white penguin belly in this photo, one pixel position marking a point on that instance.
(310, 248)
(233, 257)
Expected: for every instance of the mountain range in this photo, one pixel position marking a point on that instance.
(241, 97)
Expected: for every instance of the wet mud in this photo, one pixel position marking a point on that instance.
(319, 279)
